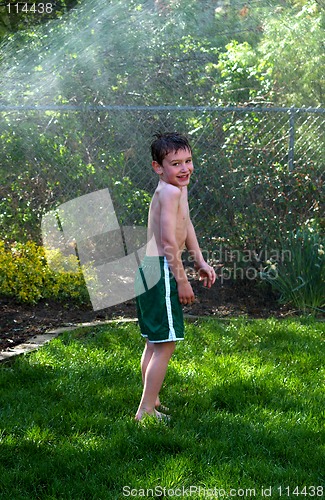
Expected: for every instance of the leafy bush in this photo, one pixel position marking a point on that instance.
(26, 276)
(300, 278)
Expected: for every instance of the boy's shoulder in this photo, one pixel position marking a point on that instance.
(168, 191)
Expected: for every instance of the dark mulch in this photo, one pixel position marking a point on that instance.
(229, 299)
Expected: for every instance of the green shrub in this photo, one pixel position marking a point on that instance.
(26, 276)
(300, 278)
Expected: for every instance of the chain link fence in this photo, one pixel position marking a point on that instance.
(256, 169)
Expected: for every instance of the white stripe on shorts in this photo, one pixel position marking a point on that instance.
(172, 334)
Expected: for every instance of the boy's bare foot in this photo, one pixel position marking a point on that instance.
(162, 408)
(142, 412)
(162, 416)
(159, 415)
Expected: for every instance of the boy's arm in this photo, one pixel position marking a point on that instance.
(192, 245)
(206, 272)
(169, 200)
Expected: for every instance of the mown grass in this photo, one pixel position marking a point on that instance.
(247, 402)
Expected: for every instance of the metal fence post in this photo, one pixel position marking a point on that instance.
(291, 151)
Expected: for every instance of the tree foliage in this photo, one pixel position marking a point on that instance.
(294, 45)
(158, 52)
(167, 52)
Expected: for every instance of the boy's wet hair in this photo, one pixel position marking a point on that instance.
(166, 142)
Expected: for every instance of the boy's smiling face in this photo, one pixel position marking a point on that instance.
(176, 168)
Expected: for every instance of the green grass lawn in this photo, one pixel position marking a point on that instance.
(247, 403)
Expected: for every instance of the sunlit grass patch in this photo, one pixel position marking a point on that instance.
(246, 398)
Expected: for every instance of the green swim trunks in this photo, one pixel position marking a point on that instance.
(159, 310)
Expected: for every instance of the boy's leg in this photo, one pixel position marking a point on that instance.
(146, 356)
(154, 375)
(145, 359)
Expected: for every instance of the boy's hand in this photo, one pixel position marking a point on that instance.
(185, 293)
(206, 274)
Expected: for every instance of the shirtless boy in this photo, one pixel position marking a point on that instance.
(170, 230)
